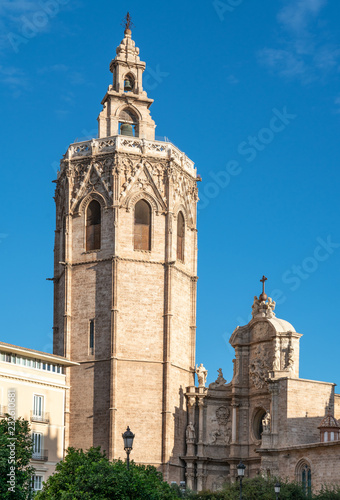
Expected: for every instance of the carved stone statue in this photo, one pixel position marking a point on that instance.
(219, 382)
(190, 433)
(255, 307)
(201, 375)
(228, 436)
(214, 436)
(291, 363)
(220, 379)
(258, 369)
(277, 356)
(262, 308)
(266, 422)
(271, 304)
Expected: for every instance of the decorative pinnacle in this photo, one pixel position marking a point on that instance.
(127, 22)
(263, 296)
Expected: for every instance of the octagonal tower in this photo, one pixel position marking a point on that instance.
(125, 278)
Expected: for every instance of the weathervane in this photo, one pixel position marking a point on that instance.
(263, 295)
(127, 22)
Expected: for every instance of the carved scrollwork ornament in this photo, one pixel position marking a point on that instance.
(258, 368)
(222, 415)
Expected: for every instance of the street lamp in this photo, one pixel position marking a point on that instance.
(240, 472)
(277, 489)
(128, 437)
(182, 486)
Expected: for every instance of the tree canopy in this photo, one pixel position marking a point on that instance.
(15, 454)
(260, 488)
(90, 475)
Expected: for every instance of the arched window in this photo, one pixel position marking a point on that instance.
(93, 226)
(180, 236)
(129, 83)
(304, 476)
(63, 239)
(142, 229)
(91, 339)
(257, 423)
(306, 479)
(128, 123)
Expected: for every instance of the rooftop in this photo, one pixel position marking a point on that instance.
(32, 353)
(158, 149)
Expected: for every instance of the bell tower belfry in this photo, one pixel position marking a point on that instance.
(125, 271)
(126, 105)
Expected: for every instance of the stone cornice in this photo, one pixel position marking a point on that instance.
(133, 360)
(143, 261)
(299, 447)
(131, 145)
(34, 381)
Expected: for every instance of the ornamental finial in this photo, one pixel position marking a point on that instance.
(127, 22)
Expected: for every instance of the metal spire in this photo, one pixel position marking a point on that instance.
(127, 22)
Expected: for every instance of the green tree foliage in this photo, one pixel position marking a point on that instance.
(263, 489)
(90, 475)
(328, 493)
(15, 455)
(253, 489)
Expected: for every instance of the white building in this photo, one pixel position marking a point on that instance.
(38, 381)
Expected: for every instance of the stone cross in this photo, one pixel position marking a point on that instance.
(263, 296)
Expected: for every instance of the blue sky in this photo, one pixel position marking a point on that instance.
(250, 93)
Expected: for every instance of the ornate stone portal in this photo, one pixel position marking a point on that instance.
(236, 419)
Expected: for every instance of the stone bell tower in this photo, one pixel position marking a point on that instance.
(125, 278)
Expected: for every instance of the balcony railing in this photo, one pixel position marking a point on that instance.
(44, 418)
(131, 144)
(40, 456)
(3, 410)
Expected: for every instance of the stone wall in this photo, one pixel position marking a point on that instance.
(323, 459)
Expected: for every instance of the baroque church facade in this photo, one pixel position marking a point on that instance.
(125, 275)
(275, 422)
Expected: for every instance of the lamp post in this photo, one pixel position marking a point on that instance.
(240, 472)
(277, 489)
(182, 486)
(128, 437)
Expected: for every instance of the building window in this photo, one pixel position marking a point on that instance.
(37, 438)
(142, 230)
(128, 123)
(304, 476)
(91, 339)
(180, 236)
(63, 239)
(37, 483)
(93, 226)
(306, 479)
(129, 83)
(38, 406)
